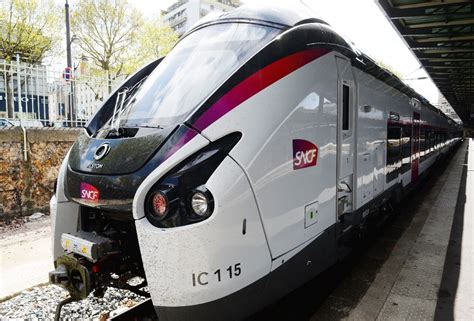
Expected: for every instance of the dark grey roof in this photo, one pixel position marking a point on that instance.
(441, 35)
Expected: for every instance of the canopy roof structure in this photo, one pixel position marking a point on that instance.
(441, 35)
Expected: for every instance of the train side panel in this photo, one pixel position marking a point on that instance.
(288, 150)
(371, 134)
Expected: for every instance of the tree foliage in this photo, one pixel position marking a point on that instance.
(114, 38)
(155, 41)
(29, 28)
(107, 30)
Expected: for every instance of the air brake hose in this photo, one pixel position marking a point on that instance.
(57, 315)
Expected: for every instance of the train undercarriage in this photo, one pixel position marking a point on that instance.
(103, 253)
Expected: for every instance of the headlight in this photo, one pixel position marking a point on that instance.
(180, 197)
(200, 204)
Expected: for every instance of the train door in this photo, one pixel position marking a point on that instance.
(345, 136)
(415, 151)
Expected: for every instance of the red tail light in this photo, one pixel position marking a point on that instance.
(159, 204)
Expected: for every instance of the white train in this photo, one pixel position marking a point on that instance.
(230, 172)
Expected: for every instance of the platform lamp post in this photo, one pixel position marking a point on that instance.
(68, 37)
(69, 41)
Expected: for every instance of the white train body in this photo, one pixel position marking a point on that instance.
(315, 137)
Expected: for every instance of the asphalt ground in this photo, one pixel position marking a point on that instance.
(25, 256)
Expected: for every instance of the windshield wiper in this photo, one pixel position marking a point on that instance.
(148, 126)
(115, 123)
(125, 99)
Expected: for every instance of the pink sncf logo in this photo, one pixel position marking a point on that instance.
(89, 192)
(305, 154)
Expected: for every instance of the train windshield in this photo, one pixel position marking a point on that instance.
(192, 71)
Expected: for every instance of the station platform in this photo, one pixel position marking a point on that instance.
(418, 266)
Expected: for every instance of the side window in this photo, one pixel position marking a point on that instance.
(432, 140)
(429, 140)
(422, 143)
(393, 146)
(406, 147)
(345, 107)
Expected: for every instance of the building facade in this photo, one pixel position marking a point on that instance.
(183, 14)
(40, 92)
(22, 87)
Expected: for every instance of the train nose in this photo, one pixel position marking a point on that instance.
(196, 269)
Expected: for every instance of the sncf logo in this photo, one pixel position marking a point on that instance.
(305, 154)
(89, 192)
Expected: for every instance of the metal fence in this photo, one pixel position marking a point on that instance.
(41, 95)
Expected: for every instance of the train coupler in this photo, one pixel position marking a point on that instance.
(59, 276)
(73, 276)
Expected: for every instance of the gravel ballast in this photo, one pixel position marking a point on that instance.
(40, 303)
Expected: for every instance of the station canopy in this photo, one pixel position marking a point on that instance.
(441, 34)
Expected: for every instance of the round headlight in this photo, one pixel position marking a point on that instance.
(200, 204)
(159, 204)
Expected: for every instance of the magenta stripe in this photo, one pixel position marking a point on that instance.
(256, 83)
(183, 140)
(246, 89)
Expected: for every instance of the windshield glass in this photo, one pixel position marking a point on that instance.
(192, 71)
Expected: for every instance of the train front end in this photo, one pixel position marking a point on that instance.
(146, 202)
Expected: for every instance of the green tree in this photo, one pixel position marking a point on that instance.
(155, 41)
(107, 32)
(28, 28)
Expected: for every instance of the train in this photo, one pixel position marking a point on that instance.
(238, 167)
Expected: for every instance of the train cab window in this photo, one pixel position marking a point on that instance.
(345, 107)
(176, 87)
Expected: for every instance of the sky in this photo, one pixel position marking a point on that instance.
(363, 23)
(360, 21)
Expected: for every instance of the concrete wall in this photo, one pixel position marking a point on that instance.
(27, 186)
